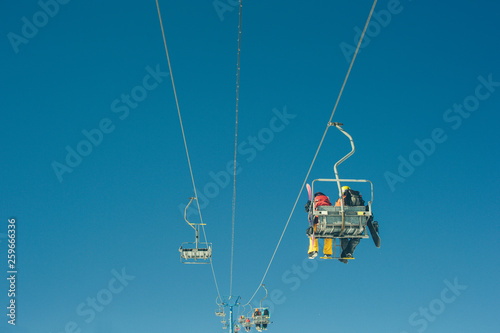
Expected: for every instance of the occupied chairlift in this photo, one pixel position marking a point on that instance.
(241, 318)
(197, 252)
(339, 222)
(261, 321)
(247, 323)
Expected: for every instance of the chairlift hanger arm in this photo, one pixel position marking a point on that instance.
(185, 214)
(192, 225)
(353, 149)
(263, 286)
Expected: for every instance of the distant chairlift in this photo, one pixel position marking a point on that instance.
(197, 252)
(247, 325)
(225, 326)
(220, 312)
(247, 322)
(261, 321)
(343, 221)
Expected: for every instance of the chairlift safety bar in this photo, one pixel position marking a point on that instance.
(339, 181)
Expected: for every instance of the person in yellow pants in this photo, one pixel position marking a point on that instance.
(319, 200)
(314, 247)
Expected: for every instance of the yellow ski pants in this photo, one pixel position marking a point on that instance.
(327, 247)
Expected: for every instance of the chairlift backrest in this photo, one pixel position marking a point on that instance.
(263, 318)
(333, 223)
(342, 221)
(195, 253)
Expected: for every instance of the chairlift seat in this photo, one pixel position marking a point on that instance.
(262, 319)
(330, 221)
(192, 253)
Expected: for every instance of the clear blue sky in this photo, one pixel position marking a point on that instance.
(425, 89)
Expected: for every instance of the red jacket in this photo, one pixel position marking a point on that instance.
(321, 200)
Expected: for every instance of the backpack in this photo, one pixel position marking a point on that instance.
(353, 198)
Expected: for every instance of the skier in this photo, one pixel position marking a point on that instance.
(266, 315)
(319, 200)
(256, 315)
(351, 198)
(248, 326)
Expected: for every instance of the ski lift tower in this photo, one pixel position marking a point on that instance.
(229, 304)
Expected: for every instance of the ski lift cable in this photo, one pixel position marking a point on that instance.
(317, 151)
(211, 264)
(184, 136)
(235, 146)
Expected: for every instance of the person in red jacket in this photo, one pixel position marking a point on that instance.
(319, 200)
(247, 325)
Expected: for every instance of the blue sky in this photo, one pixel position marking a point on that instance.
(421, 102)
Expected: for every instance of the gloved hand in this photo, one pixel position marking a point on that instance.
(308, 206)
(309, 231)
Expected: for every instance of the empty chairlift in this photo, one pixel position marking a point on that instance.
(195, 252)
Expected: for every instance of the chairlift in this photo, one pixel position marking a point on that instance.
(220, 312)
(262, 318)
(247, 322)
(196, 252)
(339, 222)
(247, 325)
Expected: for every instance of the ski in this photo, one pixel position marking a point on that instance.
(374, 232)
(310, 216)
